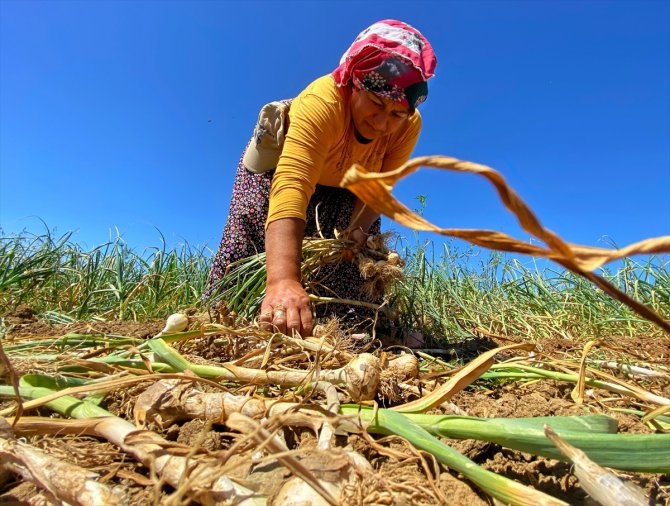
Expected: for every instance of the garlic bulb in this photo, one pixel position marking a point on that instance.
(404, 367)
(176, 322)
(393, 258)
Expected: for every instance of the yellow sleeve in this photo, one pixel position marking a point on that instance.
(402, 145)
(314, 127)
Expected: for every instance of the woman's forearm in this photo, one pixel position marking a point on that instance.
(363, 217)
(283, 247)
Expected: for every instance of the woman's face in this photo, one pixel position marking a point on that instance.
(375, 116)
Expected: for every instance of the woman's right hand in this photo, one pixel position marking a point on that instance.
(286, 308)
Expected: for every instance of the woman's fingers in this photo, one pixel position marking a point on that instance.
(307, 321)
(286, 309)
(287, 320)
(300, 321)
(265, 318)
(279, 318)
(272, 318)
(293, 322)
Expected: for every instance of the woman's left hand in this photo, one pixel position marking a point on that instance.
(361, 219)
(358, 237)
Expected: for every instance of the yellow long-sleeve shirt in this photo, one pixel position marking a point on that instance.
(321, 145)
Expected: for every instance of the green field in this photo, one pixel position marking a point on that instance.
(448, 291)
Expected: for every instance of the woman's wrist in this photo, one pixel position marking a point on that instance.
(282, 280)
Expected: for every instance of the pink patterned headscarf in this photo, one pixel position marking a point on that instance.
(390, 59)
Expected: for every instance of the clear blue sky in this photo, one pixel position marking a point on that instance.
(132, 114)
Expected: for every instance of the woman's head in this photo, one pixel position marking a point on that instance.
(375, 116)
(387, 66)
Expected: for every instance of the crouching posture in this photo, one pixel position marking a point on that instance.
(287, 181)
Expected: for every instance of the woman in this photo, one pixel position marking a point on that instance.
(364, 112)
